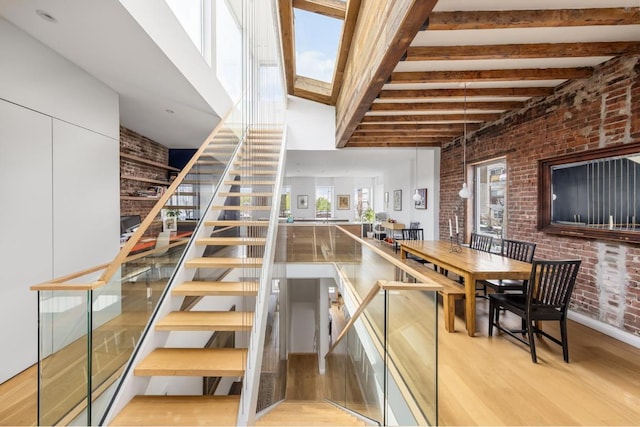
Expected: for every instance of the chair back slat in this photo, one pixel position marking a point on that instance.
(518, 250)
(553, 282)
(481, 242)
(412, 234)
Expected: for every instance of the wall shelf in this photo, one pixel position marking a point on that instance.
(142, 179)
(125, 197)
(148, 162)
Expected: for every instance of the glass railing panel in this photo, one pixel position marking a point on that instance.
(412, 355)
(337, 364)
(107, 322)
(273, 375)
(365, 365)
(62, 351)
(365, 268)
(62, 368)
(392, 346)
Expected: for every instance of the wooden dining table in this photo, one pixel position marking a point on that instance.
(468, 263)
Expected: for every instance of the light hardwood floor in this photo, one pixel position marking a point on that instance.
(488, 381)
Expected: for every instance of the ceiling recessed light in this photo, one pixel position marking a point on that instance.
(46, 16)
(169, 111)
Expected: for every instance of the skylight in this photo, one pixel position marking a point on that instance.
(316, 40)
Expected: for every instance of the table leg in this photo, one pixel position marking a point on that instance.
(470, 303)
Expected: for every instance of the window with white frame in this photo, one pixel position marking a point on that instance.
(362, 201)
(490, 213)
(190, 14)
(324, 196)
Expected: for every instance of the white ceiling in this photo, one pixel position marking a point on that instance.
(102, 38)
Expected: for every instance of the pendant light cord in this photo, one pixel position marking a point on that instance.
(464, 132)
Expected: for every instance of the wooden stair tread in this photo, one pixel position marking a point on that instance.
(262, 147)
(206, 321)
(304, 413)
(179, 411)
(250, 182)
(215, 262)
(250, 172)
(236, 223)
(247, 155)
(236, 194)
(256, 162)
(241, 208)
(226, 241)
(210, 288)
(200, 362)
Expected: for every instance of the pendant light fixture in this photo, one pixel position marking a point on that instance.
(416, 196)
(464, 191)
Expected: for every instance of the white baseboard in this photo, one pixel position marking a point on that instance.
(606, 329)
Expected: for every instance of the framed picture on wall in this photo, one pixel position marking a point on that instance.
(170, 223)
(343, 201)
(397, 200)
(303, 201)
(422, 204)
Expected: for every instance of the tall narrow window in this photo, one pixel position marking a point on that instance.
(490, 214)
(324, 196)
(285, 201)
(362, 201)
(190, 15)
(228, 49)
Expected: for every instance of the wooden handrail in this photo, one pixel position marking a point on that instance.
(68, 286)
(59, 285)
(160, 204)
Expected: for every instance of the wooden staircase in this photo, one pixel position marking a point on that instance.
(256, 180)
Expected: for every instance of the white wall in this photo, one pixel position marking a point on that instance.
(53, 185)
(345, 185)
(310, 125)
(404, 179)
(302, 295)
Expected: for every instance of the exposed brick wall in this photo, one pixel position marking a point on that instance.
(138, 145)
(601, 111)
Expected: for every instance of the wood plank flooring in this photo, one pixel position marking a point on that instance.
(488, 381)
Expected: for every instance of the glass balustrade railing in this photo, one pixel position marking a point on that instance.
(383, 364)
(104, 315)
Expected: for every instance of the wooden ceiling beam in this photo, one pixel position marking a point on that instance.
(491, 75)
(412, 139)
(358, 144)
(285, 11)
(312, 89)
(447, 93)
(419, 127)
(470, 118)
(396, 143)
(331, 8)
(426, 106)
(492, 19)
(521, 51)
(348, 29)
(384, 31)
(407, 133)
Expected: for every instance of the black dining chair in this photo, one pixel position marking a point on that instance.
(481, 242)
(514, 249)
(547, 299)
(409, 234)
